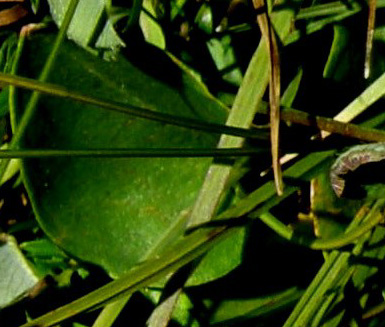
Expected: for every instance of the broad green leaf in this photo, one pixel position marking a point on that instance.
(117, 212)
(17, 278)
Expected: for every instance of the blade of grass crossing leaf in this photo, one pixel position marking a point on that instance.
(216, 180)
(32, 104)
(183, 252)
(140, 276)
(242, 114)
(304, 169)
(247, 102)
(12, 98)
(288, 114)
(369, 37)
(274, 91)
(58, 91)
(129, 153)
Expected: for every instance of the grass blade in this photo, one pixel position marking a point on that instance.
(58, 91)
(184, 251)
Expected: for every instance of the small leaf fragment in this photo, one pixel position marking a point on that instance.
(17, 279)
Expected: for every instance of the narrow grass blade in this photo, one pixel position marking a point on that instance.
(369, 96)
(184, 251)
(58, 91)
(129, 153)
(335, 269)
(247, 102)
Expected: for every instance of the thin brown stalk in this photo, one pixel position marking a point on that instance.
(267, 32)
(369, 37)
(332, 126)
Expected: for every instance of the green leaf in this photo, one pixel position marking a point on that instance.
(237, 310)
(117, 212)
(152, 31)
(220, 255)
(12, 168)
(337, 65)
(225, 60)
(89, 26)
(16, 277)
(174, 257)
(204, 18)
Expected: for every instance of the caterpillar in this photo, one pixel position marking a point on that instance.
(351, 160)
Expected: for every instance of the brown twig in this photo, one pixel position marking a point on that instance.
(369, 37)
(267, 32)
(333, 126)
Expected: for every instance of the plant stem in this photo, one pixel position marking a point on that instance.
(287, 114)
(130, 153)
(333, 274)
(32, 104)
(59, 91)
(183, 252)
(333, 126)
